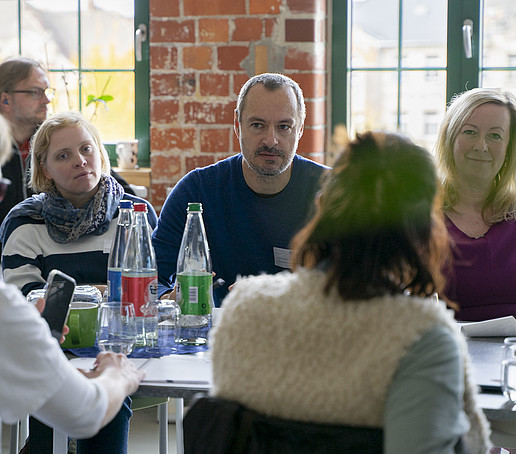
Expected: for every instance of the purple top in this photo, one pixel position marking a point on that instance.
(483, 278)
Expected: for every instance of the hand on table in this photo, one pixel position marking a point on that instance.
(118, 364)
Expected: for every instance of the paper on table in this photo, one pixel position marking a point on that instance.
(179, 369)
(497, 327)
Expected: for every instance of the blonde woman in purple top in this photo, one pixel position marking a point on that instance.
(476, 158)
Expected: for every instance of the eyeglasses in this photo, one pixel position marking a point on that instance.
(4, 185)
(38, 93)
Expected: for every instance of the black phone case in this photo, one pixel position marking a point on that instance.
(58, 296)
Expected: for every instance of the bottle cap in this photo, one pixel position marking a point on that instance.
(140, 207)
(127, 204)
(194, 206)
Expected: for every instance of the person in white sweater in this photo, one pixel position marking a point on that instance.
(354, 336)
(36, 377)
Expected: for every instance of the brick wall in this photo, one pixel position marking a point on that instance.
(202, 51)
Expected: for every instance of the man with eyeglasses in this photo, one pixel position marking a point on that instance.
(24, 96)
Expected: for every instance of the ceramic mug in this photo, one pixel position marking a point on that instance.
(127, 154)
(82, 322)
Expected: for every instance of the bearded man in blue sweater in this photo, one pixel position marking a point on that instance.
(254, 202)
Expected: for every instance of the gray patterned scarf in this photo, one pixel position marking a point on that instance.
(65, 223)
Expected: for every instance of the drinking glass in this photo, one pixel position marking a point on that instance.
(116, 327)
(508, 373)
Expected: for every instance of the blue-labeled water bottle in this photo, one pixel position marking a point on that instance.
(194, 281)
(116, 254)
(140, 278)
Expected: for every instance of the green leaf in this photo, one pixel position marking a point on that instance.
(91, 99)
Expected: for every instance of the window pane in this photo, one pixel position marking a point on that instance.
(499, 33)
(373, 98)
(497, 79)
(107, 34)
(422, 109)
(424, 33)
(374, 30)
(9, 29)
(66, 84)
(114, 118)
(49, 32)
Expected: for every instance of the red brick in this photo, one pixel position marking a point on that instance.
(230, 57)
(159, 191)
(238, 81)
(301, 60)
(213, 8)
(158, 196)
(306, 6)
(247, 29)
(312, 141)
(215, 140)
(172, 31)
(164, 111)
(165, 165)
(199, 161)
(315, 113)
(164, 8)
(197, 57)
(173, 84)
(207, 113)
(264, 6)
(312, 84)
(304, 30)
(213, 30)
(214, 84)
(163, 57)
(164, 139)
(270, 27)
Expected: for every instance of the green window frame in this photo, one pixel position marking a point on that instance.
(461, 72)
(140, 70)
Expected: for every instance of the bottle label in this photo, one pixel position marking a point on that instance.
(139, 288)
(114, 284)
(194, 293)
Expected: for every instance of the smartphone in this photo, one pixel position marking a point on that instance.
(58, 296)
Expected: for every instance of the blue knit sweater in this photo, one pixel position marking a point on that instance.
(247, 234)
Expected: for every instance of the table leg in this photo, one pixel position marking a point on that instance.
(24, 430)
(13, 443)
(163, 428)
(179, 425)
(60, 442)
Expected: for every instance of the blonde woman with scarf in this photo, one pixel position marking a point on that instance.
(69, 225)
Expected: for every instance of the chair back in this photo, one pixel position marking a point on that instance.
(217, 426)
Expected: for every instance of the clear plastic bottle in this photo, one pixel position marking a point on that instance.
(194, 281)
(140, 278)
(116, 255)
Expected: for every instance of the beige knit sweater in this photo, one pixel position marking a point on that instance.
(285, 349)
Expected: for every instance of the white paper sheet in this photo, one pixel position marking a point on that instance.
(497, 327)
(178, 369)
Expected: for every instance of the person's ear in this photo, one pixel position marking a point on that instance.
(4, 99)
(236, 124)
(300, 132)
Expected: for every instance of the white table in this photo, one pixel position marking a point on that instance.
(486, 354)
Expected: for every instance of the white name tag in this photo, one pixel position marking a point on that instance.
(107, 246)
(282, 257)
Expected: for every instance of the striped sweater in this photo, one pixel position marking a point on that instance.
(29, 254)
